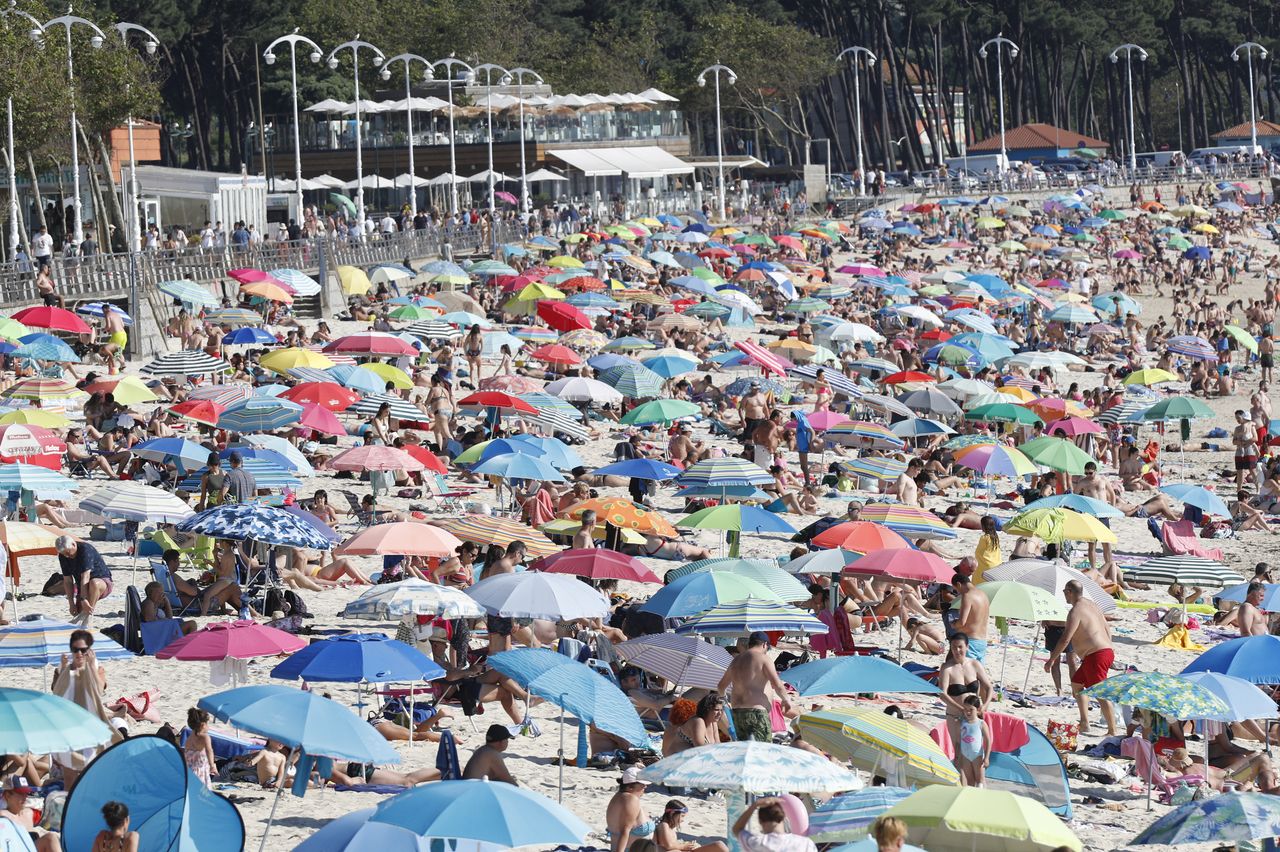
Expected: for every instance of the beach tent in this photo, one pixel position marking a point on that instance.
(1035, 770)
(169, 807)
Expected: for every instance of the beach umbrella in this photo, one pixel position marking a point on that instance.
(371, 457)
(1050, 577)
(354, 281)
(871, 467)
(1172, 696)
(189, 293)
(1185, 569)
(358, 658)
(727, 470)
(930, 400)
(518, 466)
(42, 642)
(493, 815)
(1077, 503)
(40, 723)
(574, 688)
(487, 529)
(905, 564)
(582, 389)
(766, 572)
(596, 563)
(855, 674)
(683, 661)
(625, 514)
(1056, 454)
(331, 395)
(907, 521)
(1177, 408)
(357, 831)
(961, 819)
(1150, 376)
(866, 434)
(52, 318)
(224, 395)
(650, 469)
(20, 476)
(255, 522)
(738, 618)
(45, 347)
(189, 362)
(377, 343)
(860, 537)
(234, 317)
(403, 538)
(18, 440)
(883, 744)
(35, 417)
(42, 389)
(831, 561)
(700, 591)
(400, 409)
(183, 453)
(1244, 699)
(737, 517)
(356, 377)
(751, 767)
(1003, 412)
(850, 816)
(236, 640)
(633, 381)
(1252, 658)
(1198, 496)
(1235, 818)
(1023, 602)
(1058, 525)
(554, 597)
(661, 411)
(393, 601)
(135, 501)
(670, 366)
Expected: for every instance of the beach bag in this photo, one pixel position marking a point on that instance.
(1063, 735)
(140, 707)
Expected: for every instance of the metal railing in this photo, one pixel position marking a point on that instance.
(104, 276)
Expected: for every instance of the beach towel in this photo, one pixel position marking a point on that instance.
(539, 508)
(1008, 733)
(1179, 638)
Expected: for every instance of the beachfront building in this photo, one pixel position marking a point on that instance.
(1241, 134)
(1038, 141)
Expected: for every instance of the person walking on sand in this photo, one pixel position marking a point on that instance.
(745, 681)
(1087, 630)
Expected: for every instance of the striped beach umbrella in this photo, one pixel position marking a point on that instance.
(42, 389)
(995, 460)
(908, 521)
(752, 767)
(301, 283)
(1185, 569)
(189, 293)
(865, 434)
(738, 618)
(392, 601)
(486, 530)
(234, 317)
(684, 661)
(260, 414)
(556, 423)
(20, 476)
(728, 470)
(135, 501)
(188, 362)
(43, 641)
(875, 741)
(633, 381)
(224, 395)
(266, 475)
(875, 467)
(401, 408)
(849, 816)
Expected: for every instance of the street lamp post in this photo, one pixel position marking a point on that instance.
(518, 74)
(354, 46)
(408, 59)
(488, 69)
(68, 21)
(37, 35)
(1249, 47)
(732, 78)
(1129, 50)
(450, 64)
(1000, 41)
(293, 39)
(859, 54)
(131, 219)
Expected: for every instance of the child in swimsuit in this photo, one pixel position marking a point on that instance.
(973, 752)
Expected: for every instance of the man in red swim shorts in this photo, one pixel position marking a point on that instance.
(1088, 632)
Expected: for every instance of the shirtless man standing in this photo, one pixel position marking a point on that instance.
(1087, 631)
(754, 409)
(1250, 618)
(584, 538)
(744, 681)
(905, 488)
(975, 615)
(1245, 438)
(766, 438)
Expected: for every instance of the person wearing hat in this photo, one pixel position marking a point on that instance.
(16, 789)
(487, 762)
(625, 819)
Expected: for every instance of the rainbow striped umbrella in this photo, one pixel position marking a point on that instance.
(43, 389)
(875, 741)
(873, 467)
(484, 529)
(534, 334)
(738, 618)
(996, 460)
(910, 521)
(724, 471)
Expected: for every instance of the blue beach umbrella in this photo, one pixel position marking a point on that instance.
(45, 347)
(1233, 818)
(357, 378)
(359, 658)
(358, 832)
(1198, 496)
(639, 469)
(249, 335)
(850, 815)
(501, 816)
(40, 723)
(853, 675)
(255, 522)
(1078, 503)
(1244, 700)
(183, 453)
(43, 641)
(670, 366)
(1252, 658)
(555, 451)
(259, 414)
(518, 466)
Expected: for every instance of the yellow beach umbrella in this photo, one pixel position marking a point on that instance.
(35, 417)
(283, 360)
(1149, 376)
(390, 373)
(563, 261)
(353, 280)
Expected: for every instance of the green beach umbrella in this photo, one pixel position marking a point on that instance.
(1056, 454)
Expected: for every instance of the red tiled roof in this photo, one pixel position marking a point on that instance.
(1038, 136)
(1241, 131)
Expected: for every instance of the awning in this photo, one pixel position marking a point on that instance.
(731, 161)
(648, 161)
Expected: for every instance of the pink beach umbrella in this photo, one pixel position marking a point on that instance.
(403, 537)
(1072, 426)
(375, 457)
(371, 343)
(322, 420)
(235, 640)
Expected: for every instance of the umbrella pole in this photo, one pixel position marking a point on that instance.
(1031, 659)
(271, 818)
(560, 754)
(413, 727)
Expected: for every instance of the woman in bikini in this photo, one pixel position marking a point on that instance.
(959, 677)
(441, 405)
(473, 348)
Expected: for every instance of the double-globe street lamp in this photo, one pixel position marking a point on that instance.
(1129, 50)
(859, 54)
(36, 33)
(1249, 47)
(452, 67)
(408, 59)
(355, 45)
(269, 56)
(518, 74)
(731, 78)
(1000, 42)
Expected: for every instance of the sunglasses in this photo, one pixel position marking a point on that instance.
(83, 649)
